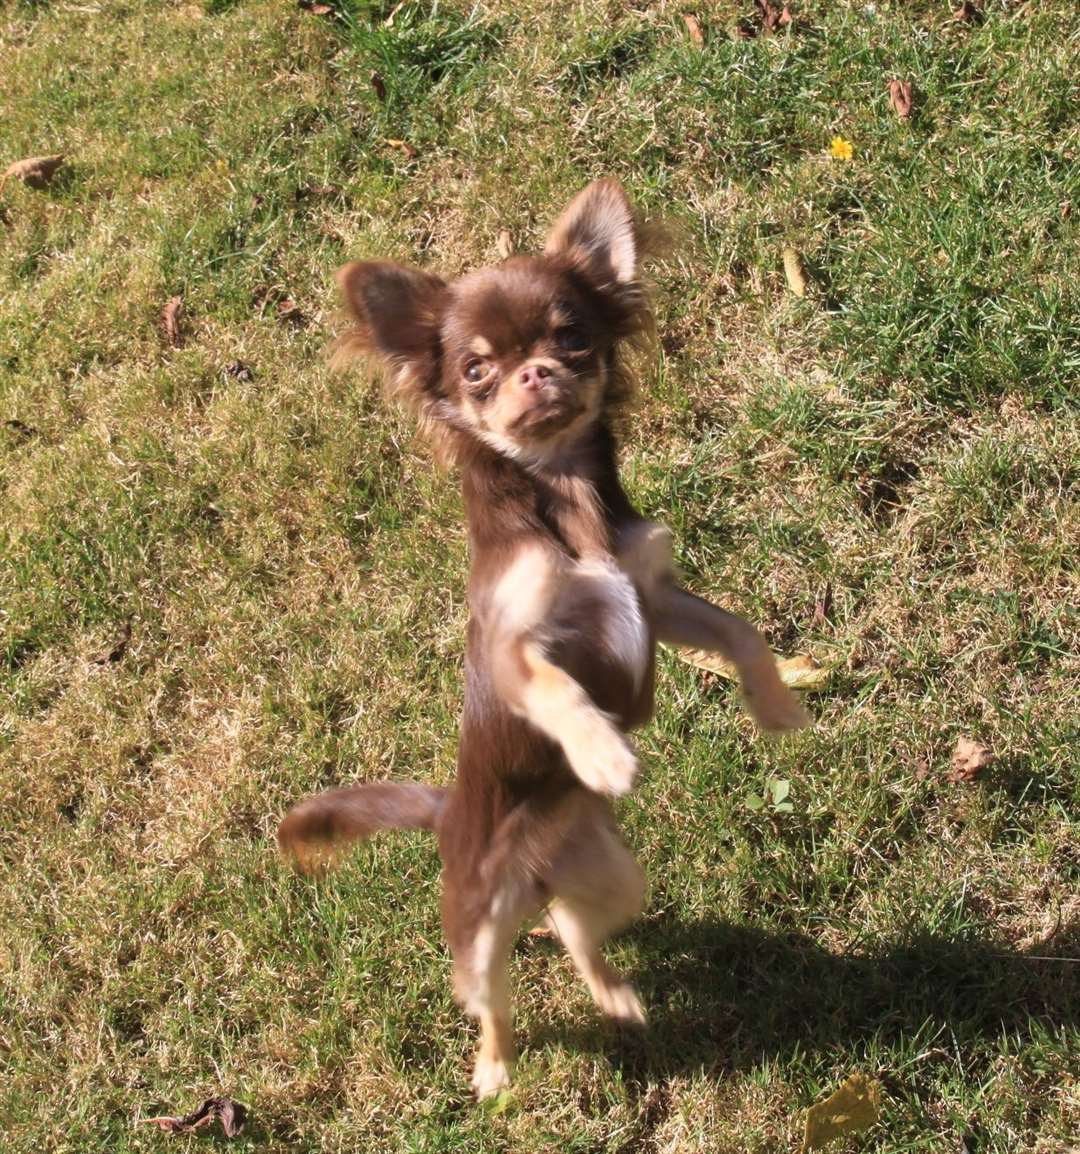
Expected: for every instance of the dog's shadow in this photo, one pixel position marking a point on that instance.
(725, 997)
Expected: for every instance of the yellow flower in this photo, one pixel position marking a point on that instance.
(841, 149)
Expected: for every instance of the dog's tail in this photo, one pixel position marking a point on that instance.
(313, 830)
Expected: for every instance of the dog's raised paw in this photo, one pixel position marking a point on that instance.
(605, 761)
(777, 710)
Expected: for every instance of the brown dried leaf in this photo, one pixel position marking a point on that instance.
(115, 651)
(967, 13)
(316, 8)
(785, 17)
(900, 94)
(35, 171)
(403, 146)
(171, 315)
(795, 271)
(969, 759)
(504, 246)
(289, 312)
(232, 1115)
(795, 672)
(22, 430)
(855, 1106)
(694, 28)
(770, 15)
(379, 85)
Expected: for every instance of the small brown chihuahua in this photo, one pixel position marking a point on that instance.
(519, 370)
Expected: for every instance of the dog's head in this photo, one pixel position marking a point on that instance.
(522, 356)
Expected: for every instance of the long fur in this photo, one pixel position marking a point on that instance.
(518, 373)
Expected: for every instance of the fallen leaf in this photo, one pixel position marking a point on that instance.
(900, 93)
(504, 246)
(967, 13)
(232, 1115)
(379, 85)
(785, 17)
(171, 316)
(22, 430)
(855, 1106)
(35, 171)
(823, 605)
(115, 651)
(969, 759)
(1066, 209)
(404, 146)
(694, 28)
(290, 312)
(802, 672)
(770, 15)
(795, 672)
(316, 8)
(795, 272)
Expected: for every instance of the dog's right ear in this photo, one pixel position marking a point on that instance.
(398, 313)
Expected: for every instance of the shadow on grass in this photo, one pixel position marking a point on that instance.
(722, 997)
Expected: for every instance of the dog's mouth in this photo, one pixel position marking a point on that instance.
(547, 415)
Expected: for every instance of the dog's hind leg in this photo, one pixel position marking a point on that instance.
(599, 888)
(482, 982)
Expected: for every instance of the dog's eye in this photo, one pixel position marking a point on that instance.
(571, 339)
(476, 370)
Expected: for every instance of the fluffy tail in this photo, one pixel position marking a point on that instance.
(311, 831)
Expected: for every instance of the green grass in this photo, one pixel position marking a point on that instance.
(292, 566)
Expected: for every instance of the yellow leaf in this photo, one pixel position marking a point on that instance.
(794, 271)
(854, 1107)
(802, 673)
(795, 672)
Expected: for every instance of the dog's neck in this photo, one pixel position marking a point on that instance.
(576, 500)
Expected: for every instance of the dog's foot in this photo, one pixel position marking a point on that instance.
(603, 759)
(621, 1002)
(774, 707)
(490, 1075)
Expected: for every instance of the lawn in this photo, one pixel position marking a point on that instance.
(230, 576)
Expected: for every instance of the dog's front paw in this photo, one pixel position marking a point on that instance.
(490, 1075)
(620, 1002)
(775, 708)
(603, 759)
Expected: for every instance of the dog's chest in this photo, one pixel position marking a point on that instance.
(600, 605)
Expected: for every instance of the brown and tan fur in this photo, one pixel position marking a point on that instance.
(518, 371)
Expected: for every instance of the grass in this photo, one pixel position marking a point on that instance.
(292, 566)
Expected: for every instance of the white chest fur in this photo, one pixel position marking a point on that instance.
(541, 592)
(623, 625)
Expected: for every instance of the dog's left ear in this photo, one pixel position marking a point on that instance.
(596, 231)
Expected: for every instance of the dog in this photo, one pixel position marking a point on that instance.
(519, 371)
